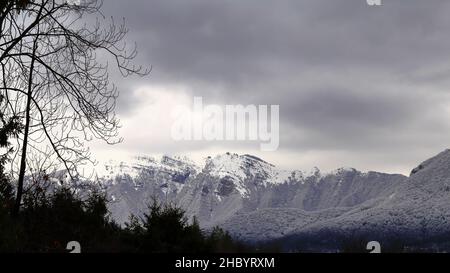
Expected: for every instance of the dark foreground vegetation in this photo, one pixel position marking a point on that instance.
(49, 220)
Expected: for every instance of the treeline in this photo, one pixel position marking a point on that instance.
(49, 220)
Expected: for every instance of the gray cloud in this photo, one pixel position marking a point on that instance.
(347, 76)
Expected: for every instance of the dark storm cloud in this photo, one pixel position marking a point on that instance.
(232, 42)
(345, 74)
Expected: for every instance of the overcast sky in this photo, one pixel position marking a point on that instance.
(358, 86)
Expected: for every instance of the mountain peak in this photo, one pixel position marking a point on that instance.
(179, 162)
(441, 160)
(343, 170)
(228, 164)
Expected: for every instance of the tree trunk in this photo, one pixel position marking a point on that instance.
(23, 158)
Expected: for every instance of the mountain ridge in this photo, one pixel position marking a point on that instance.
(231, 184)
(257, 202)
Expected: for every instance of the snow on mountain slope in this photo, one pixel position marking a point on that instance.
(233, 183)
(418, 210)
(134, 166)
(272, 223)
(254, 200)
(339, 191)
(132, 185)
(241, 168)
(228, 185)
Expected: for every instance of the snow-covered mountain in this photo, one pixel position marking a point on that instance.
(202, 190)
(133, 184)
(415, 214)
(256, 201)
(246, 195)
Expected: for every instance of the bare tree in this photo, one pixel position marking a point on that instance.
(54, 62)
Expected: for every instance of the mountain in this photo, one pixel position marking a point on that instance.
(132, 185)
(416, 214)
(251, 198)
(257, 202)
